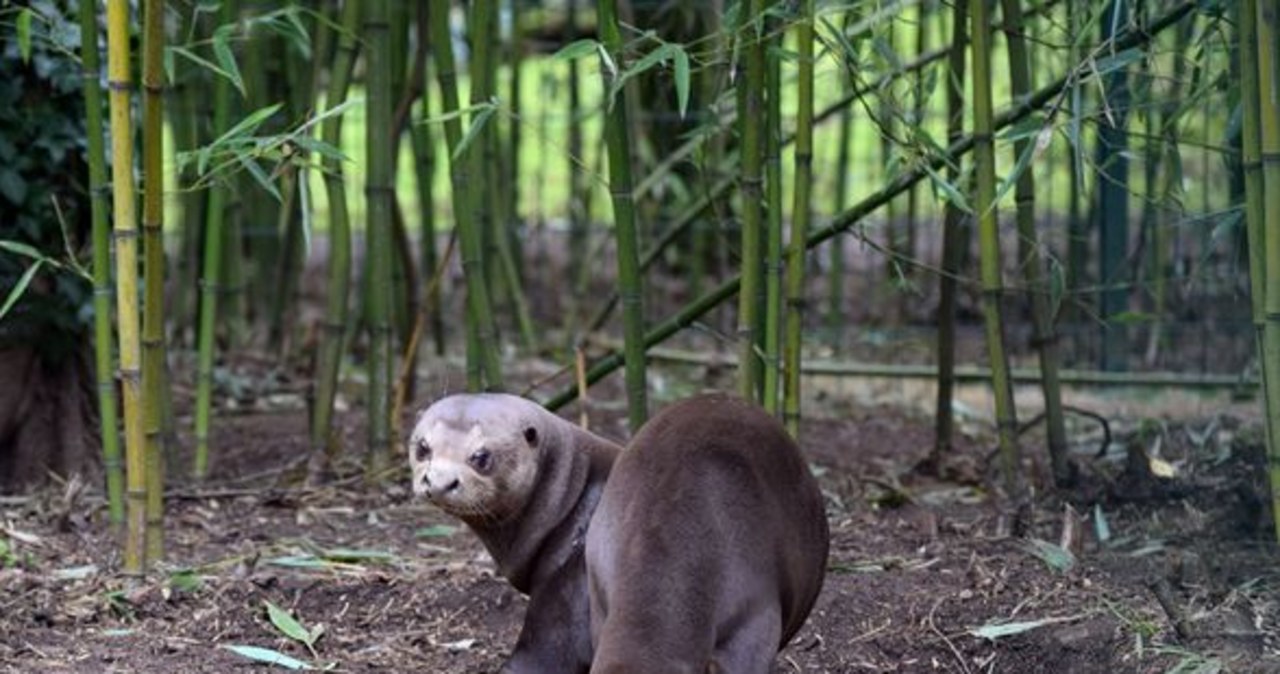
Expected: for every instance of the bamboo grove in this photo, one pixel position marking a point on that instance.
(722, 144)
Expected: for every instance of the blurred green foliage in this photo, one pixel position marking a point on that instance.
(44, 197)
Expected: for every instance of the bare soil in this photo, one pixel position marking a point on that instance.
(922, 571)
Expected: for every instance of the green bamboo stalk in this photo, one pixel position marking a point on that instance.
(108, 421)
(1113, 202)
(835, 252)
(484, 52)
(847, 219)
(323, 448)
(751, 101)
(1269, 116)
(989, 242)
(483, 367)
(895, 296)
(918, 109)
(153, 347)
(211, 272)
(954, 222)
(188, 117)
(424, 154)
(771, 312)
(402, 93)
(579, 223)
(618, 142)
(126, 242)
(800, 215)
(379, 193)
(1255, 213)
(513, 103)
(1044, 335)
(1172, 185)
(1077, 236)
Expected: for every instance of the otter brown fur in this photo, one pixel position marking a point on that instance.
(705, 553)
(526, 482)
(709, 545)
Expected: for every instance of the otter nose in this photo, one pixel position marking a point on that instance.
(439, 485)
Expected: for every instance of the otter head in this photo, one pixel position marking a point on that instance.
(477, 456)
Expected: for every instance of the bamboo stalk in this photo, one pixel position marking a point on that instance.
(104, 361)
(482, 50)
(800, 215)
(918, 110)
(338, 284)
(835, 252)
(954, 222)
(579, 222)
(424, 153)
(717, 192)
(1044, 334)
(1164, 224)
(119, 81)
(618, 145)
(153, 346)
(1269, 116)
(1077, 237)
(211, 272)
(751, 101)
(844, 221)
(379, 193)
(1113, 202)
(989, 242)
(483, 367)
(1255, 215)
(893, 294)
(772, 316)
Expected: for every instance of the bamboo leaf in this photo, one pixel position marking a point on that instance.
(355, 555)
(245, 127)
(1054, 556)
(288, 625)
(646, 63)
(260, 176)
(680, 59)
(1117, 61)
(198, 60)
(20, 288)
(24, 33)
(576, 50)
(268, 656)
(23, 249)
(949, 191)
(1024, 160)
(1100, 526)
(1000, 630)
(477, 125)
(226, 58)
(436, 531)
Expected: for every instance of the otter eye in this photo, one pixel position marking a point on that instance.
(531, 436)
(422, 451)
(481, 460)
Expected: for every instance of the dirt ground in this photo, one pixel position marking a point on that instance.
(1167, 574)
(1157, 561)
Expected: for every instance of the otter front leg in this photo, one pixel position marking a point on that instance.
(556, 635)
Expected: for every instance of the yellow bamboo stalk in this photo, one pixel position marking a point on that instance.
(125, 232)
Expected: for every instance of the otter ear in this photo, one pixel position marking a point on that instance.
(531, 436)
